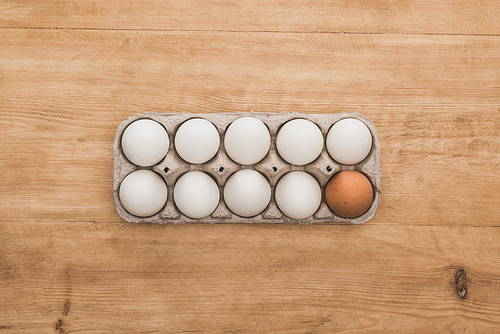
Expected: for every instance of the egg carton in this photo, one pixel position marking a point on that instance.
(220, 167)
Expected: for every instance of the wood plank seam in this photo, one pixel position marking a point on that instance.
(256, 31)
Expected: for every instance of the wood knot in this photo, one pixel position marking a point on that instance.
(461, 283)
(66, 308)
(58, 326)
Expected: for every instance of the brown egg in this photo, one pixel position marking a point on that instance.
(349, 194)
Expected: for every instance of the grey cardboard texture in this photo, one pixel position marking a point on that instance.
(220, 167)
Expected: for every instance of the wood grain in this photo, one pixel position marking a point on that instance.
(426, 72)
(351, 16)
(121, 277)
(434, 99)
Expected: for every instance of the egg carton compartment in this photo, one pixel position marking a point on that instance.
(221, 167)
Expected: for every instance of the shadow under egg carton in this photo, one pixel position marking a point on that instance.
(273, 167)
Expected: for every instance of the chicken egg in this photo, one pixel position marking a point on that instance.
(299, 142)
(145, 142)
(197, 141)
(298, 195)
(247, 193)
(349, 141)
(349, 194)
(247, 140)
(196, 194)
(143, 193)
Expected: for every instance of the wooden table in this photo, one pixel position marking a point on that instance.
(426, 72)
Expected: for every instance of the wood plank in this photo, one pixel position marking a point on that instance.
(355, 16)
(435, 101)
(94, 278)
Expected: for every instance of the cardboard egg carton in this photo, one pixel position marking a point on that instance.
(220, 167)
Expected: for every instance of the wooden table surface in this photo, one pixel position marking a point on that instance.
(426, 72)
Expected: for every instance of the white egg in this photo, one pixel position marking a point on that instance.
(298, 195)
(196, 194)
(349, 141)
(197, 141)
(247, 140)
(247, 193)
(145, 142)
(299, 142)
(143, 193)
